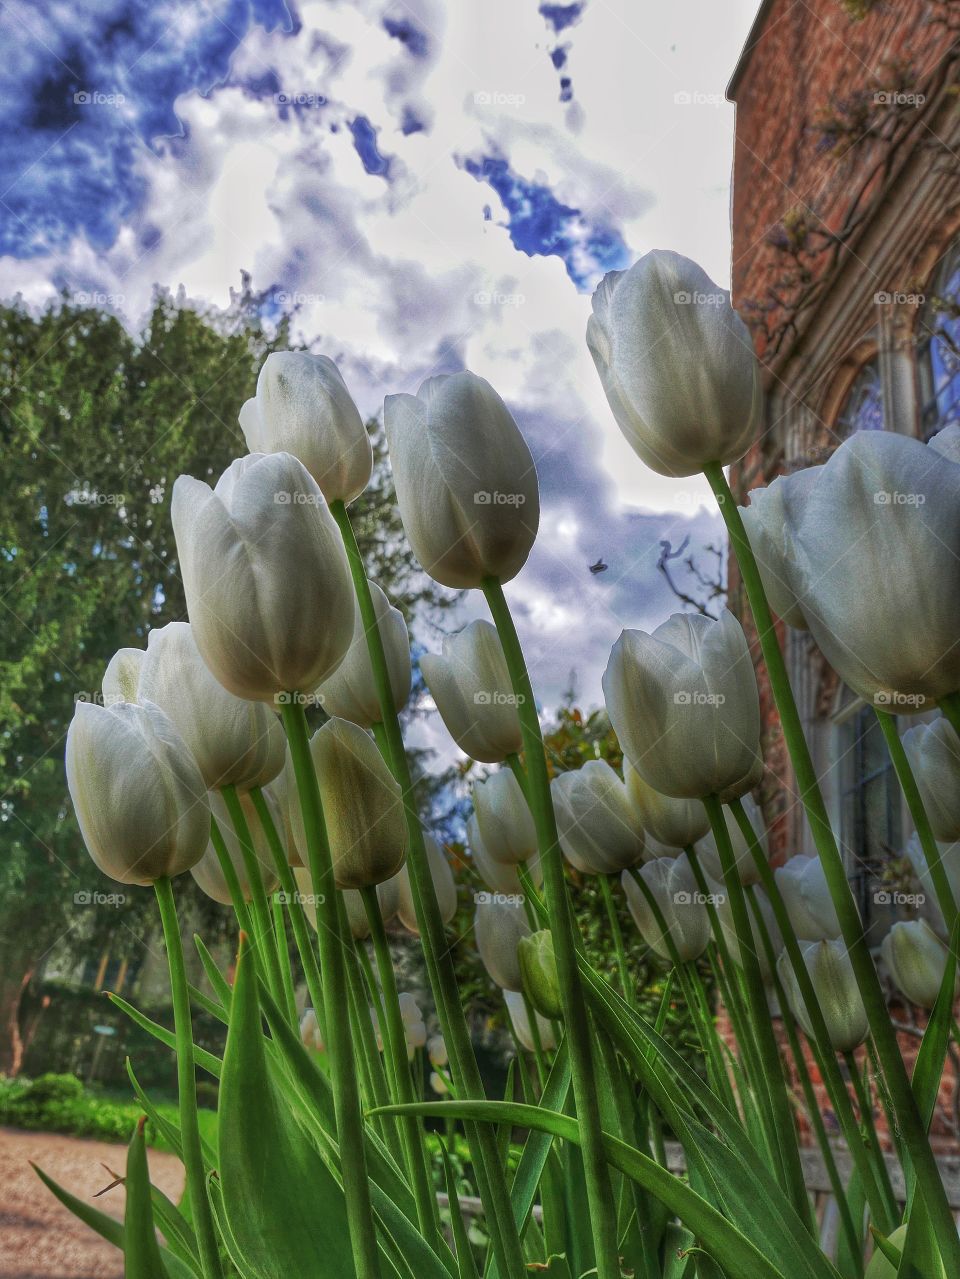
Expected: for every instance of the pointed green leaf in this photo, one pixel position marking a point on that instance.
(141, 1252)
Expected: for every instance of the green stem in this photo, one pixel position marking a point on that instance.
(908, 784)
(343, 1077)
(283, 954)
(616, 932)
(395, 1043)
(266, 939)
(488, 1166)
(883, 1210)
(566, 944)
(201, 1212)
(865, 1102)
(898, 1082)
(231, 878)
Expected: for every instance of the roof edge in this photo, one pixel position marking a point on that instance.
(752, 40)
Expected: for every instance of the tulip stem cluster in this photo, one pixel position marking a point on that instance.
(894, 1071)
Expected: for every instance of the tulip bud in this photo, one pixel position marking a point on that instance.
(444, 885)
(235, 742)
(861, 549)
(684, 704)
(803, 887)
(538, 969)
(934, 754)
(438, 1083)
(362, 806)
(504, 818)
(517, 1012)
(916, 960)
(676, 363)
(709, 855)
(352, 901)
(310, 1035)
(674, 888)
(466, 481)
(414, 1027)
(140, 801)
(265, 575)
(836, 989)
(674, 824)
(600, 831)
(498, 925)
(350, 692)
(304, 408)
(499, 878)
(437, 1050)
(928, 903)
(471, 686)
(725, 915)
(208, 872)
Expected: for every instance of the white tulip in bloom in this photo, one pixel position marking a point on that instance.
(499, 877)
(362, 806)
(208, 872)
(725, 913)
(352, 901)
(504, 819)
(265, 575)
(928, 903)
(835, 986)
(674, 888)
(709, 855)
(303, 407)
(466, 481)
(140, 801)
(934, 754)
(234, 741)
(916, 959)
(599, 828)
(283, 790)
(684, 704)
(676, 363)
(471, 686)
(803, 887)
(350, 692)
(673, 824)
(866, 551)
(499, 924)
(444, 885)
(517, 1011)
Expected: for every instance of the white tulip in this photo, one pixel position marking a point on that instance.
(471, 686)
(497, 876)
(444, 886)
(234, 741)
(934, 754)
(599, 828)
(466, 482)
(498, 925)
(725, 914)
(677, 364)
(835, 986)
(517, 1012)
(673, 824)
(709, 855)
(866, 550)
(437, 1050)
(208, 872)
(674, 888)
(352, 901)
(350, 692)
(916, 960)
(803, 887)
(504, 818)
(310, 1034)
(684, 704)
(265, 575)
(438, 1083)
(414, 1026)
(283, 790)
(140, 801)
(304, 408)
(949, 857)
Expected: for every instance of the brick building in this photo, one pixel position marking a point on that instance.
(846, 266)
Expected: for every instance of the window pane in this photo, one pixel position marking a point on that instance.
(940, 348)
(863, 408)
(870, 814)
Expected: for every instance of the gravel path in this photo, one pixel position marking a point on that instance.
(39, 1238)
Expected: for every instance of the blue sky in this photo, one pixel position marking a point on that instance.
(432, 186)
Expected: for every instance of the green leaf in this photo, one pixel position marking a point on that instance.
(466, 1266)
(283, 1206)
(216, 979)
(211, 1064)
(141, 1252)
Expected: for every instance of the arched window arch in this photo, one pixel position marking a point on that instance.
(938, 333)
(862, 406)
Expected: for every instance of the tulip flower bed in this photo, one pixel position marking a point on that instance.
(200, 760)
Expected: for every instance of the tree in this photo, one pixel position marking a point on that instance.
(96, 423)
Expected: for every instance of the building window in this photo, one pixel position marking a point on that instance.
(870, 827)
(862, 409)
(939, 348)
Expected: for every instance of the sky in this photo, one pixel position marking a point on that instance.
(430, 186)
